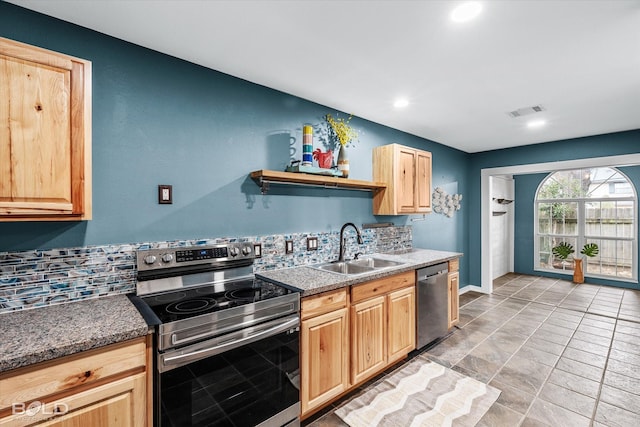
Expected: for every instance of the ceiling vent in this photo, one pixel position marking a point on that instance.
(526, 111)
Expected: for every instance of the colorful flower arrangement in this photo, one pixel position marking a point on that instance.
(340, 130)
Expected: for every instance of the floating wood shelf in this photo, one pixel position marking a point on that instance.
(265, 177)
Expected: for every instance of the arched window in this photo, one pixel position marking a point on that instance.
(582, 206)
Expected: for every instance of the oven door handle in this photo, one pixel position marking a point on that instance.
(182, 359)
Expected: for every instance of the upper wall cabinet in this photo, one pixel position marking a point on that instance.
(45, 136)
(407, 173)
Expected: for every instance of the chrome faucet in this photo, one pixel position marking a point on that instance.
(343, 239)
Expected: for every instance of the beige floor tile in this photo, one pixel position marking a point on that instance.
(590, 347)
(620, 398)
(584, 357)
(512, 397)
(623, 356)
(592, 330)
(499, 415)
(629, 347)
(554, 415)
(624, 382)
(583, 336)
(574, 382)
(612, 416)
(537, 355)
(568, 399)
(546, 346)
(581, 369)
(552, 337)
(524, 374)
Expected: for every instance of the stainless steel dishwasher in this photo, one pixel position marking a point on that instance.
(432, 303)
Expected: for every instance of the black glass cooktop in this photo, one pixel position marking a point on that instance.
(189, 302)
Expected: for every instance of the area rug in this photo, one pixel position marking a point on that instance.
(421, 393)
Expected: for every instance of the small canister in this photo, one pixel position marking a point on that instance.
(307, 145)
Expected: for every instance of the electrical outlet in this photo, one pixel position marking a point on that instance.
(257, 250)
(312, 243)
(288, 246)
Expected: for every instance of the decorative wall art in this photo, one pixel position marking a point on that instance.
(445, 204)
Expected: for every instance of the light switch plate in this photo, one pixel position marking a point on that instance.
(257, 250)
(288, 246)
(165, 194)
(312, 243)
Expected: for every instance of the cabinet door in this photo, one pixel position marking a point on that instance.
(423, 181)
(401, 307)
(369, 332)
(45, 145)
(117, 403)
(324, 358)
(405, 185)
(454, 284)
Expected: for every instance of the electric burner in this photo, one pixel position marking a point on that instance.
(191, 306)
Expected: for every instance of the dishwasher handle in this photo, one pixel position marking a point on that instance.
(432, 271)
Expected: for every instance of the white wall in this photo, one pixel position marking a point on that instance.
(501, 226)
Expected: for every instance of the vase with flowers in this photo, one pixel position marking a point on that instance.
(341, 133)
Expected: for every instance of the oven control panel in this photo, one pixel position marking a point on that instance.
(152, 259)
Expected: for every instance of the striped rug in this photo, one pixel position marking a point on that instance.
(421, 393)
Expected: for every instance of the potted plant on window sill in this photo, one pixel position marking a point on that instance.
(564, 249)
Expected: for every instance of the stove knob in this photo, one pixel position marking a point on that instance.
(246, 250)
(167, 258)
(149, 259)
(234, 251)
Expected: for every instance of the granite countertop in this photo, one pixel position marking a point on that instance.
(310, 281)
(46, 333)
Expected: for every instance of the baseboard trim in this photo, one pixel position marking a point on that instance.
(470, 288)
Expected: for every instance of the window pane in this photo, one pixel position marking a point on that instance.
(544, 255)
(593, 224)
(559, 263)
(626, 217)
(564, 218)
(593, 265)
(544, 218)
(625, 259)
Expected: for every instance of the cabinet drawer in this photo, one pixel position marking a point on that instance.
(66, 373)
(382, 286)
(323, 303)
(454, 265)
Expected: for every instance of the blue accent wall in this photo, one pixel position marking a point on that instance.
(579, 148)
(161, 120)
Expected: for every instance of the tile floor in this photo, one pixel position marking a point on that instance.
(562, 354)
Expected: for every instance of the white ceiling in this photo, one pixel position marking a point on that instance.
(579, 59)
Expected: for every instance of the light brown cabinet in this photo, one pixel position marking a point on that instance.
(453, 280)
(402, 323)
(107, 386)
(382, 324)
(45, 142)
(324, 336)
(369, 344)
(407, 173)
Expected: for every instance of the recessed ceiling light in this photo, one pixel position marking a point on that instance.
(466, 11)
(401, 103)
(536, 123)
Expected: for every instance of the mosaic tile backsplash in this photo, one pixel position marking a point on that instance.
(30, 279)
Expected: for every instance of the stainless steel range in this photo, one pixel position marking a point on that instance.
(227, 344)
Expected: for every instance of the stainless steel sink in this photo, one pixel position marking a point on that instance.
(375, 263)
(357, 266)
